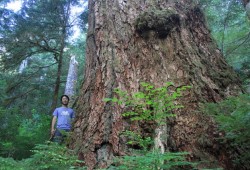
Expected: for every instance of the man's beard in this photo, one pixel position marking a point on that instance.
(65, 104)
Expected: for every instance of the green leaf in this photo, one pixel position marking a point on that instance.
(107, 99)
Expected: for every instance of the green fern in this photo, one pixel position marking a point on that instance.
(46, 156)
(153, 160)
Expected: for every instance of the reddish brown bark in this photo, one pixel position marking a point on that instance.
(121, 53)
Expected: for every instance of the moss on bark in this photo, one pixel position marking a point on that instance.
(159, 21)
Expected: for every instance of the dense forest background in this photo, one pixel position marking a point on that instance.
(36, 45)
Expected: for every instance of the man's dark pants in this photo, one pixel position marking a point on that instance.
(60, 135)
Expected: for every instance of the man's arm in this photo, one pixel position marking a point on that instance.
(53, 125)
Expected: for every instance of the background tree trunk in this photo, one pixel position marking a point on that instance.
(70, 88)
(23, 65)
(150, 41)
(246, 4)
(57, 84)
(59, 59)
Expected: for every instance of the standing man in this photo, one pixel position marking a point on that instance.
(63, 116)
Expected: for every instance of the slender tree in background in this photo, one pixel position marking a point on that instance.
(160, 41)
(71, 83)
(245, 2)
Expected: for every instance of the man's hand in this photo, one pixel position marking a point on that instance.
(52, 132)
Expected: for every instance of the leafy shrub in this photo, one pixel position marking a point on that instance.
(9, 164)
(22, 133)
(53, 156)
(8, 127)
(150, 104)
(136, 139)
(46, 156)
(233, 117)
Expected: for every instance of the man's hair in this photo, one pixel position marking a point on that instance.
(64, 96)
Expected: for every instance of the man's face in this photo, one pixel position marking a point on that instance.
(65, 101)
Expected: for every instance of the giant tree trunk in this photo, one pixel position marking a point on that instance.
(150, 41)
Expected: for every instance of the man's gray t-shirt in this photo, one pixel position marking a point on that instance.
(64, 117)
